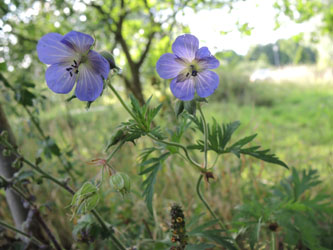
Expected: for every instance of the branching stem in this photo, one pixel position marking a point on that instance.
(220, 221)
(67, 188)
(33, 239)
(194, 163)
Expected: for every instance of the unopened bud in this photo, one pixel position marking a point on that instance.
(109, 57)
(121, 182)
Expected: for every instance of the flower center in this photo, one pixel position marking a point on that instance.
(192, 71)
(74, 68)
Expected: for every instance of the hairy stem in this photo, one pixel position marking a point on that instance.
(273, 243)
(205, 135)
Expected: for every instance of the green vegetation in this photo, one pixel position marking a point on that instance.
(118, 172)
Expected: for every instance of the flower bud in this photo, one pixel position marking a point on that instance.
(121, 182)
(109, 57)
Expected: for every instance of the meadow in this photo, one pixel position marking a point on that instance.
(293, 120)
(181, 125)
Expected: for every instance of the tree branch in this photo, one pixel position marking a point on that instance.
(145, 52)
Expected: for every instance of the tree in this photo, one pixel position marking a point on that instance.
(304, 10)
(133, 27)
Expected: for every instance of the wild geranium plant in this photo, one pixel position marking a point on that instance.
(72, 60)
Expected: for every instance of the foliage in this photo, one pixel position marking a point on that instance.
(289, 212)
(301, 11)
(58, 140)
(283, 52)
(219, 136)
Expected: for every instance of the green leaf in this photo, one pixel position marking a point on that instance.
(148, 184)
(24, 97)
(179, 107)
(155, 164)
(236, 147)
(49, 147)
(117, 136)
(255, 233)
(226, 133)
(218, 136)
(263, 155)
(191, 107)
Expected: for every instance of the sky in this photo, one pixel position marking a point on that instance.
(259, 14)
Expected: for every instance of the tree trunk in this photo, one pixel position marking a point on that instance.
(19, 213)
(15, 204)
(137, 87)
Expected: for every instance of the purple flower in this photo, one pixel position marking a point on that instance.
(72, 60)
(189, 68)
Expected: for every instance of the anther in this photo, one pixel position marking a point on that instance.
(194, 73)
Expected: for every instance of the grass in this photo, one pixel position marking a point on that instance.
(295, 121)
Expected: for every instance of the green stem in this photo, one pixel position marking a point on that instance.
(46, 175)
(38, 127)
(273, 244)
(114, 151)
(33, 239)
(220, 221)
(118, 244)
(122, 101)
(195, 164)
(205, 135)
(206, 204)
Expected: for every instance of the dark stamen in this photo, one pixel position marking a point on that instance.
(71, 73)
(188, 73)
(194, 73)
(75, 62)
(69, 69)
(77, 71)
